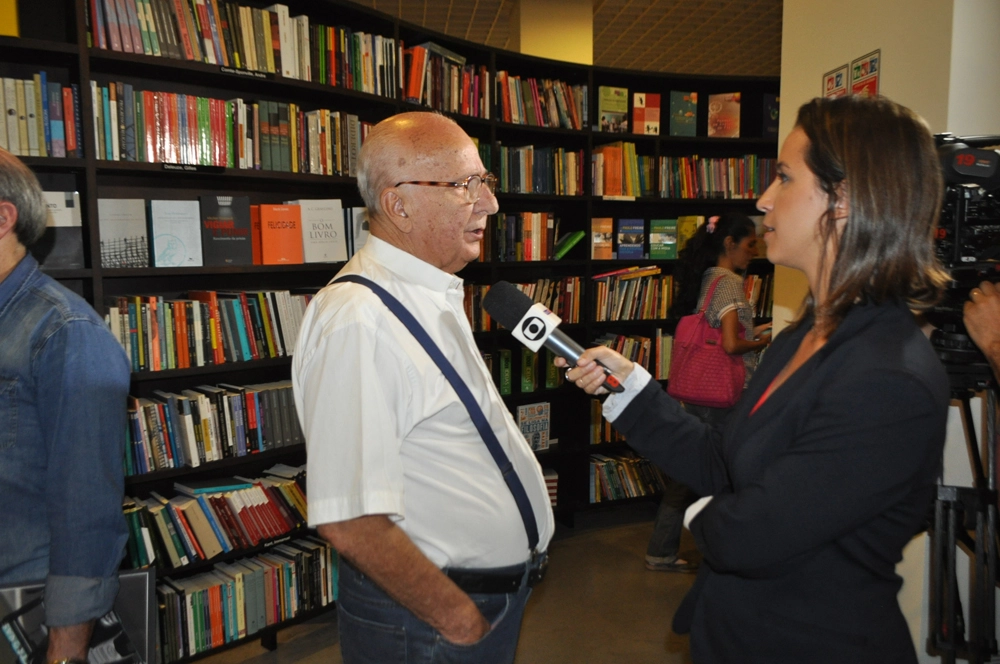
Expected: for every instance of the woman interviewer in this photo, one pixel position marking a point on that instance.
(827, 465)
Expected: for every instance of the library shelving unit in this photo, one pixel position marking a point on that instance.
(61, 46)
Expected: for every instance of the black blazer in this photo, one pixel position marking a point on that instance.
(815, 494)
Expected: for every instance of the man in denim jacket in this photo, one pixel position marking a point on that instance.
(63, 387)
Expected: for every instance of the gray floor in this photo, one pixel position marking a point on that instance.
(598, 604)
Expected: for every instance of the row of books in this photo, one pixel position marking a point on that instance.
(759, 290)
(601, 431)
(42, 117)
(238, 599)
(222, 230)
(637, 294)
(637, 348)
(206, 327)
(745, 177)
(210, 518)
(208, 423)
(540, 170)
(541, 102)
(622, 476)
(664, 344)
(536, 370)
(617, 170)
(165, 127)
(248, 39)
(438, 77)
(625, 238)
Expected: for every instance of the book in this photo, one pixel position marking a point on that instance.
(683, 113)
(534, 421)
(601, 238)
(323, 230)
(663, 239)
(357, 220)
(567, 242)
(529, 370)
(646, 113)
(612, 109)
(61, 245)
(225, 230)
(770, 114)
(686, 228)
(280, 235)
(122, 228)
(631, 237)
(175, 227)
(9, 26)
(506, 370)
(724, 115)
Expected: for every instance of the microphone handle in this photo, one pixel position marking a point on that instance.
(564, 346)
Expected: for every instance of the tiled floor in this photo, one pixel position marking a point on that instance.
(597, 605)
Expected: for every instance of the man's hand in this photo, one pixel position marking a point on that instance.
(981, 316)
(69, 642)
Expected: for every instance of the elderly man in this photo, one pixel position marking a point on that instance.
(440, 556)
(63, 387)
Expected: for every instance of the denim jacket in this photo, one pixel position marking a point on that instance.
(64, 381)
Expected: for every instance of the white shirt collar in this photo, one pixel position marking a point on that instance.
(408, 267)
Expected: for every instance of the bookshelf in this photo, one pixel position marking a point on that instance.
(67, 55)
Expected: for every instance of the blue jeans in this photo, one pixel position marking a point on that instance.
(666, 538)
(375, 629)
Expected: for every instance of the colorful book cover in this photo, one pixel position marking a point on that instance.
(175, 227)
(771, 108)
(683, 113)
(686, 227)
(225, 230)
(612, 108)
(534, 420)
(646, 113)
(631, 236)
(280, 235)
(663, 239)
(601, 238)
(724, 115)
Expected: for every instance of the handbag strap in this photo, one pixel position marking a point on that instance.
(710, 293)
(465, 395)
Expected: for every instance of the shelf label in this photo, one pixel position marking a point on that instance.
(247, 74)
(194, 168)
(618, 198)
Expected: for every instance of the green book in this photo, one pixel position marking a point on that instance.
(663, 239)
(612, 109)
(529, 365)
(553, 376)
(683, 113)
(567, 242)
(505, 371)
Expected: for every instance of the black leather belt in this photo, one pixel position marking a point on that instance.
(486, 582)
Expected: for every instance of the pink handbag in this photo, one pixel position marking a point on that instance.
(701, 371)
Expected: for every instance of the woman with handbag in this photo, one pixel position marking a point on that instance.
(827, 465)
(710, 287)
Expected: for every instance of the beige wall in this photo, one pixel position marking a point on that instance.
(940, 58)
(558, 29)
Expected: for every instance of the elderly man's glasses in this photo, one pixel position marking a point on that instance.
(473, 185)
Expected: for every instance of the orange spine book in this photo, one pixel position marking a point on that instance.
(281, 235)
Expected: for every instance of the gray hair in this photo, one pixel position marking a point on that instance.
(18, 185)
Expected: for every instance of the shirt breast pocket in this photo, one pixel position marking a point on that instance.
(8, 412)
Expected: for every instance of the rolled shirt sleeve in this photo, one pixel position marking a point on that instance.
(82, 377)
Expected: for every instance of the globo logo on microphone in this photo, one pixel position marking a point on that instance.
(535, 326)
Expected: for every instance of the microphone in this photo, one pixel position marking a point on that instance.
(535, 326)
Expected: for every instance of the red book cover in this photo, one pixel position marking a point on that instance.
(192, 133)
(278, 509)
(182, 519)
(263, 521)
(97, 24)
(206, 33)
(281, 235)
(69, 117)
(183, 348)
(255, 234)
(215, 614)
(123, 27)
(236, 534)
(249, 518)
(242, 520)
(182, 28)
(212, 300)
(331, 53)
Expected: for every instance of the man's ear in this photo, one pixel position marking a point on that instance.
(394, 208)
(8, 218)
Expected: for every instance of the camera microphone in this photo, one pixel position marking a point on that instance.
(535, 326)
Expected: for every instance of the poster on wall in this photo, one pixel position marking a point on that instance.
(835, 83)
(865, 74)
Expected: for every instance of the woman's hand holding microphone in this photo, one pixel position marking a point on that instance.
(589, 376)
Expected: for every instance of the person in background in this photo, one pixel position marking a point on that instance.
(981, 316)
(720, 249)
(438, 563)
(827, 465)
(64, 381)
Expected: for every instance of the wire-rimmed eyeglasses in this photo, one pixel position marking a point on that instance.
(472, 185)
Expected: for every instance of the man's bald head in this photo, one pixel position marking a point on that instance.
(405, 147)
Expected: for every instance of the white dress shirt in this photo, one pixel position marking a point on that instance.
(385, 431)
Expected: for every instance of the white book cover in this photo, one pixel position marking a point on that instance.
(64, 209)
(122, 227)
(323, 231)
(10, 109)
(175, 227)
(31, 114)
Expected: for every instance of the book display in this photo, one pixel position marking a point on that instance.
(201, 161)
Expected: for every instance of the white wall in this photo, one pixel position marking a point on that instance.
(940, 58)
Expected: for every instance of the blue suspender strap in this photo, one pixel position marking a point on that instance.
(475, 412)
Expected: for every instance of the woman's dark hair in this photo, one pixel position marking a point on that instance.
(881, 155)
(702, 252)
